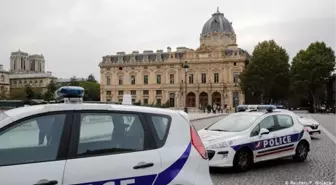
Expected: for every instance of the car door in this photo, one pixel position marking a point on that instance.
(33, 149)
(262, 147)
(111, 147)
(286, 137)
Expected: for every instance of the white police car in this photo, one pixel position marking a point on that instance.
(74, 143)
(247, 137)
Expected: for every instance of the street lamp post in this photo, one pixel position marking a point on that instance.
(185, 66)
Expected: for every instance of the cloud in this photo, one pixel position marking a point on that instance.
(73, 35)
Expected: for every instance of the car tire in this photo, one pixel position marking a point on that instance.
(301, 151)
(243, 160)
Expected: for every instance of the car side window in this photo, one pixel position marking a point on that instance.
(32, 140)
(255, 131)
(161, 124)
(102, 133)
(285, 121)
(268, 123)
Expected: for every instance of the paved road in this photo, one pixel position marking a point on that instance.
(320, 165)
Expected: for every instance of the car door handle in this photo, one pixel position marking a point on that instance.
(143, 165)
(47, 182)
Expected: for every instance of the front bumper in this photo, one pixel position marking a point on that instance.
(222, 157)
(313, 132)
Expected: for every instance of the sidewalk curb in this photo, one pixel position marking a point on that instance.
(197, 119)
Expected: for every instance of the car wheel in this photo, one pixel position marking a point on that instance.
(243, 160)
(301, 151)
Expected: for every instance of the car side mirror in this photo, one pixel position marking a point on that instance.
(263, 131)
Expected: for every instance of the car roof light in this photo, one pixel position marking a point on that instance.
(70, 94)
(243, 108)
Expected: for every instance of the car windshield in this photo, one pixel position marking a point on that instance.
(234, 123)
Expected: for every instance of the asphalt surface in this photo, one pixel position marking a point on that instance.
(318, 169)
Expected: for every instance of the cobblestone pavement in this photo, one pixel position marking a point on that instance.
(319, 167)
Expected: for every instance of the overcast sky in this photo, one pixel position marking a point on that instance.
(73, 35)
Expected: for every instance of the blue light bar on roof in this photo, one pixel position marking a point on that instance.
(242, 108)
(70, 92)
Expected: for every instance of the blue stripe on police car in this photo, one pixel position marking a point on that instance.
(163, 178)
(272, 142)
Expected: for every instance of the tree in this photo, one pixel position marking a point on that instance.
(91, 78)
(51, 88)
(92, 90)
(267, 75)
(310, 69)
(74, 81)
(29, 93)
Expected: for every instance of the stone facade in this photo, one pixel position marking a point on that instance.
(35, 80)
(159, 77)
(28, 70)
(4, 82)
(21, 62)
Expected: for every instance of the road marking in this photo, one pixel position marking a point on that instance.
(330, 135)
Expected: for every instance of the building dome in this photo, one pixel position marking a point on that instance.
(217, 23)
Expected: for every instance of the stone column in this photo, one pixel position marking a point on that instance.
(197, 99)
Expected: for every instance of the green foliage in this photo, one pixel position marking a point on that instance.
(267, 74)
(310, 69)
(29, 93)
(73, 82)
(92, 90)
(91, 78)
(50, 93)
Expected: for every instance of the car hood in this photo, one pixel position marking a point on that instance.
(307, 121)
(209, 137)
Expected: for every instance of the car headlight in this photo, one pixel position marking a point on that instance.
(219, 145)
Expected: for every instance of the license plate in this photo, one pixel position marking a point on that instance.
(315, 133)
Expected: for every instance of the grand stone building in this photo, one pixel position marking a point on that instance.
(4, 82)
(28, 70)
(158, 77)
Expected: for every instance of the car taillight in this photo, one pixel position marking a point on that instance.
(197, 143)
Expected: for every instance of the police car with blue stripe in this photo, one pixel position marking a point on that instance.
(255, 133)
(74, 143)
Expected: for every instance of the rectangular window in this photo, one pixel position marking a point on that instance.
(284, 121)
(107, 137)
(145, 101)
(145, 92)
(158, 92)
(108, 93)
(33, 140)
(216, 77)
(171, 79)
(145, 79)
(120, 93)
(158, 101)
(108, 100)
(108, 80)
(120, 100)
(191, 78)
(120, 81)
(133, 92)
(158, 79)
(203, 78)
(235, 77)
(161, 125)
(132, 79)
